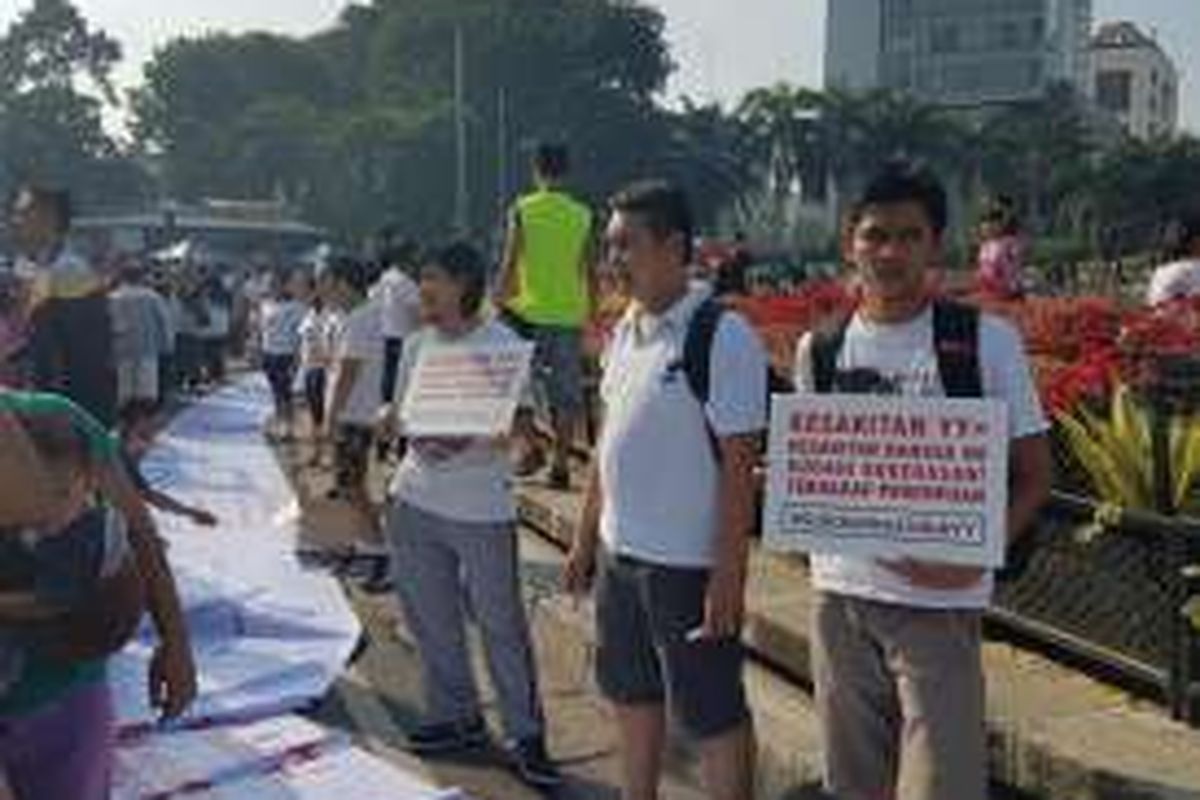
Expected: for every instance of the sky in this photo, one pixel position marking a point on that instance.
(722, 47)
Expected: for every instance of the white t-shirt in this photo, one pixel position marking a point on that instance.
(658, 476)
(279, 326)
(906, 363)
(141, 323)
(474, 485)
(400, 303)
(1173, 281)
(318, 336)
(219, 320)
(360, 339)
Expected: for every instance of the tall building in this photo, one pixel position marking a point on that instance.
(1135, 80)
(960, 53)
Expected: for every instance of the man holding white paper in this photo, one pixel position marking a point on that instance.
(896, 644)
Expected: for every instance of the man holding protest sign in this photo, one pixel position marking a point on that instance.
(896, 646)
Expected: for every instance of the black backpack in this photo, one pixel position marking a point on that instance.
(696, 364)
(696, 360)
(956, 346)
(955, 342)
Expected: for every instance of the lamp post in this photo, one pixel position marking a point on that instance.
(461, 200)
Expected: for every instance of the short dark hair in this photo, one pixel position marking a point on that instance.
(662, 207)
(57, 200)
(466, 266)
(402, 254)
(353, 272)
(1002, 212)
(551, 159)
(135, 411)
(133, 272)
(1184, 235)
(902, 182)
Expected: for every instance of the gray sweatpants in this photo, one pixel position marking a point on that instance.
(434, 559)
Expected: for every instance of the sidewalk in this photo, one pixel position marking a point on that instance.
(1054, 732)
(378, 698)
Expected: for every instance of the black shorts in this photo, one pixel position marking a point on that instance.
(314, 394)
(351, 455)
(281, 372)
(644, 613)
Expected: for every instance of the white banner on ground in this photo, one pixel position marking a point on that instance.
(276, 758)
(269, 635)
(174, 763)
(340, 774)
(888, 477)
(468, 390)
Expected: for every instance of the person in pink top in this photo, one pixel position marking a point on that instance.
(1001, 252)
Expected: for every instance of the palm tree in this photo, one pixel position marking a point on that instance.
(786, 135)
(1036, 150)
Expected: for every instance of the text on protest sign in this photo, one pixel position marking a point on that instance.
(889, 477)
(467, 390)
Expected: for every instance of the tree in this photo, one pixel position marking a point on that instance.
(55, 80)
(787, 135)
(354, 123)
(1036, 151)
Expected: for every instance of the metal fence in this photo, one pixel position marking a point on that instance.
(1113, 600)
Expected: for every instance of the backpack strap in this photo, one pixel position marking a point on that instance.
(698, 347)
(697, 360)
(956, 344)
(824, 349)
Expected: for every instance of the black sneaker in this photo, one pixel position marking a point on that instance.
(380, 579)
(448, 737)
(533, 765)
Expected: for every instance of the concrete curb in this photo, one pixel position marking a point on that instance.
(1053, 732)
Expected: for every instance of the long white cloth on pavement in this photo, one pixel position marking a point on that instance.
(269, 635)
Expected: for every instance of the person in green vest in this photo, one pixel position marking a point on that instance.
(545, 292)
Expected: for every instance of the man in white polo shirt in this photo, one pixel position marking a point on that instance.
(669, 508)
(896, 644)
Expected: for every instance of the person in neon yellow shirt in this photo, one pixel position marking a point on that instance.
(545, 292)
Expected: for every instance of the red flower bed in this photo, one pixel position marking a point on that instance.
(1080, 346)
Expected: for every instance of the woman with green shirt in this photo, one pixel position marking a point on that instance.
(56, 722)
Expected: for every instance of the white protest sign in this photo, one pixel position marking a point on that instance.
(466, 390)
(888, 477)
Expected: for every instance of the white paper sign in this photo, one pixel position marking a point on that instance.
(889, 477)
(467, 390)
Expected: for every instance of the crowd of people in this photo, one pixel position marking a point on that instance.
(669, 502)
(669, 494)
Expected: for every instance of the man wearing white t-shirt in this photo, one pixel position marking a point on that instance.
(669, 508)
(399, 302)
(896, 645)
(354, 400)
(142, 333)
(400, 309)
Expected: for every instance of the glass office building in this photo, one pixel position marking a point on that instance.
(959, 52)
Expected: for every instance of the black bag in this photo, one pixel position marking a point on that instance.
(956, 345)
